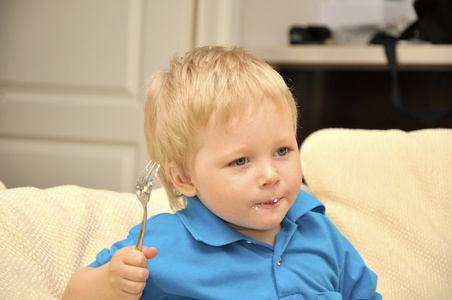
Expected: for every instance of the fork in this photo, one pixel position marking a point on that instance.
(144, 189)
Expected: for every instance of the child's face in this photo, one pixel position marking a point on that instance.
(248, 171)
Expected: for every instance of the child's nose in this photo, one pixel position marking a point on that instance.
(268, 176)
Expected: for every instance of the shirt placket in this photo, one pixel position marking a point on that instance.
(281, 242)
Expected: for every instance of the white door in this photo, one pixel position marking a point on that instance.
(72, 77)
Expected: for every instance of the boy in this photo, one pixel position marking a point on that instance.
(222, 124)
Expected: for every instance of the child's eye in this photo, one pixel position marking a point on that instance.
(239, 162)
(281, 152)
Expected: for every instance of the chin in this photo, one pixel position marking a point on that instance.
(270, 224)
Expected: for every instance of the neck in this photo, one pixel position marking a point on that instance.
(264, 236)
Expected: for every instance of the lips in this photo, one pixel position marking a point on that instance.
(270, 202)
(267, 203)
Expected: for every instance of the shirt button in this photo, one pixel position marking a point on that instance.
(248, 242)
(279, 261)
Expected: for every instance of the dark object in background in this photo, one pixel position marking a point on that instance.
(361, 97)
(434, 25)
(309, 35)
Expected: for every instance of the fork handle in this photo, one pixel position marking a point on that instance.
(139, 245)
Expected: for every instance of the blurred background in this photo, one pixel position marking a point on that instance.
(73, 74)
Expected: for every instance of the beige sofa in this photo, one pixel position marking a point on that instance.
(389, 192)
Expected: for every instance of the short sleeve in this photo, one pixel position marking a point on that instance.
(357, 280)
(104, 256)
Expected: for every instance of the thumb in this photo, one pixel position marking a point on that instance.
(149, 252)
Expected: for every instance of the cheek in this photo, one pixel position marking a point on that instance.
(213, 187)
(300, 171)
(296, 176)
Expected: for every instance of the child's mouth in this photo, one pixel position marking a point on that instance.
(268, 203)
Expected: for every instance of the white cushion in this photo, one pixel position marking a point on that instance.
(46, 235)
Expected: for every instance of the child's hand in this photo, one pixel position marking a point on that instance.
(127, 272)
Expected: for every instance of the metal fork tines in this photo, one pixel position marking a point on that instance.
(144, 189)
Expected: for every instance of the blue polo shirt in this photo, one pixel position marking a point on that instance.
(200, 257)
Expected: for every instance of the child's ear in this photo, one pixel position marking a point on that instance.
(181, 181)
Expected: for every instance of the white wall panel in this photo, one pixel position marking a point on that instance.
(96, 121)
(219, 22)
(64, 43)
(48, 163)
(267, 22)
(72, 76)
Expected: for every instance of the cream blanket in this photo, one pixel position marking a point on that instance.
(46, 235)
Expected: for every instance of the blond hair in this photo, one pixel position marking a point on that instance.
(207, 80)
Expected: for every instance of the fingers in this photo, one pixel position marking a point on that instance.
(149, 252)
(133, 257)
(128, 272)
(139, 258)
(128, 281)
(134, 282)
(134, 273)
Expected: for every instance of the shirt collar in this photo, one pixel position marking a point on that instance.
(206, 227)
(303, 204)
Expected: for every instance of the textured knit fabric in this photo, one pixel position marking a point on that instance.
(46, 235)
(200, 257)
(390, 193)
